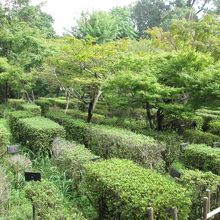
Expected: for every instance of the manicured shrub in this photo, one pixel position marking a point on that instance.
(31, 108)
(4, 136)
(13, 118)
(44, 105)
(40, 132)
(110, 142)
(197, 182)
(15, 103)
(71, 158)
(122, 188)
(201, 137)
(4, 189)
(49, 202)
(214, 127)
(202, 157)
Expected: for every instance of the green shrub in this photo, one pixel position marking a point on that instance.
(197, 182)
(110, 142)
(127, 190)
(40, 132)
(13, 118)
(4, 189)
(15, 103)
(44, 105)
(4, 136)
(201, 137)
(49, 202)
(202, 157)
(31, 108)
(214, 127)
(70, 158)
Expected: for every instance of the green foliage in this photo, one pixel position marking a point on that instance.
(49, 202)
(13, 118)
(44, 105)
(71, 158)
(4, 189)
(122, 187)
(197, 182)
(31, 108)
(200, 137)
(201, 156)
(40, 132)
(5, 136)
(107, 141)
(15, 103)
(214, 127)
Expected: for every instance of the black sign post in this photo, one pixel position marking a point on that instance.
(32, 176)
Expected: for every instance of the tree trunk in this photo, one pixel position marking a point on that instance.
(67, 104)
(160, 117)
(148, 116)
(92, 106)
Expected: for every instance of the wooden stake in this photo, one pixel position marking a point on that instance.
(174, 213)
(208, 193)
(150, 214)
(205, 208)
(218, 202)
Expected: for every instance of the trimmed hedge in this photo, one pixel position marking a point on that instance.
(4, 189)
(4, 136)
(31, 108)
(107, 142)
(201, 137)
(44, 105)
(197, 182)
(214, 127)
(70, 158)
(13, 118)
(202, 157)
(125, 189)
(15, 103)
(49, 202)
(38, 133)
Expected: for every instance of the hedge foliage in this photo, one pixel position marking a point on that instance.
(40, 132)
(31, 108)
(127, 190)
(4, 189)
(44, 105)
(15, 103)
(214, 127)
(202, 157)
(200, 137)
(107, 142)
(13, 118)
(4, 136)
(71, 157)
(49, 202)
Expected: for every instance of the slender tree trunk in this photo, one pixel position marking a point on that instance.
(67, 104)
(160, 117)
(92, 106)
(33, 97)
(148, 116)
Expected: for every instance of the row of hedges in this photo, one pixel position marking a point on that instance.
(15, 103)
(110, 142)
(31, 108)
(38, 133)
(202, 157)
(49, 203)
(214, 127)
(70, 158)
(121, 189)
(200, 137)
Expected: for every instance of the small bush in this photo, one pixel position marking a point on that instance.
(200, 137)
(4, 189)
(70, 158)
(125, 189)
(197, 182)
(13, 118)
(202, 157)
(31, 108)
(15, 103)
(109, 142)
(40, 132)
(44, 105)
(4, 136)
(49, 202)
(214, 127)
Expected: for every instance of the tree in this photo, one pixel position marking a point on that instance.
(99, 25)
(82, 68)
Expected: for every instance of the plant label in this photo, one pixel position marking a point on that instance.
(183, 146)
(13, 149)
(32, 176)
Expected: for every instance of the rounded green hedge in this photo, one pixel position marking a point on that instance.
(31, 108)
(125, 189)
